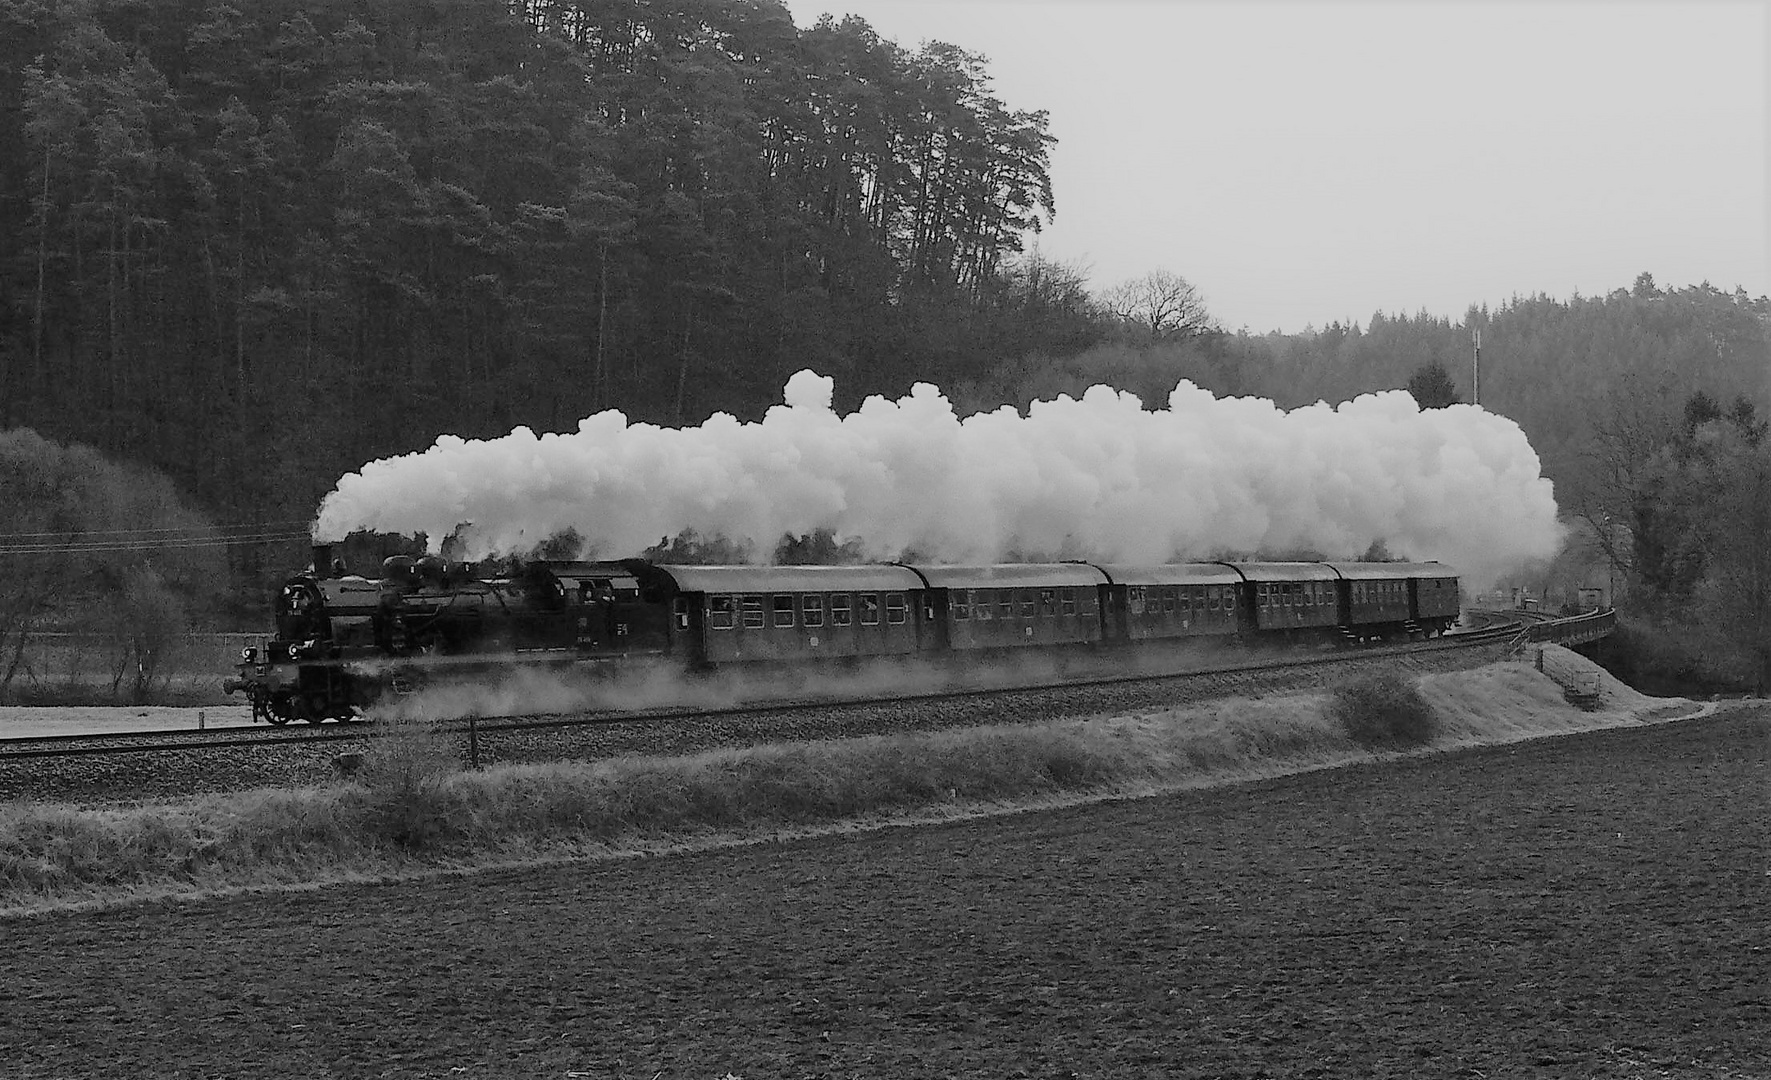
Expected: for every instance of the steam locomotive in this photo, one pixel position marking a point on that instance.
(343, 640)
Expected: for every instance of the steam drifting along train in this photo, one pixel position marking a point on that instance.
(342, 640)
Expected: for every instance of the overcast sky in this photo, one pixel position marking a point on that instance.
(1307, 162)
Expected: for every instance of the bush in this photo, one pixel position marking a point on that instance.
(1668, 660)
(404, 775)
(1383, 710)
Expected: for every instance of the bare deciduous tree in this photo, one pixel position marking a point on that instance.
(1161, 304)
(1631, 424)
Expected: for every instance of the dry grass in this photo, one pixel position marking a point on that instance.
(411, 809)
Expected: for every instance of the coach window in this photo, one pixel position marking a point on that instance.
(1212, 598)
(839, 610)
(753, 612)
(869, 609)
(962, 604)
(895, 608)
(783, 610)
(719, 611)
(1005, 603)
(982, 604)
(813, 608)
(1025, 598)
(1048, 601)
(1069, 601)
(1168, 598)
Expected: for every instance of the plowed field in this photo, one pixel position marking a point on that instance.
(1586, 906)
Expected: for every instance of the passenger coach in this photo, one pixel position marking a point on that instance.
(1153, 603)
(742, 614)
(1295, 600)
(985, 607)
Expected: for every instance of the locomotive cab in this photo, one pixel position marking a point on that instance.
(301, 612)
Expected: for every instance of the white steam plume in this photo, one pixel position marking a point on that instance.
(1100, 478)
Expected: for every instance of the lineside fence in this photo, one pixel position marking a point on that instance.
(99, 667)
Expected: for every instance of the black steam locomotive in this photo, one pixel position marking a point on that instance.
(342, 640)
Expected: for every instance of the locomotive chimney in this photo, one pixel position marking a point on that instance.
(322, 560)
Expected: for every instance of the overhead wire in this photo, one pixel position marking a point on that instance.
(97, 542)
(286, 523)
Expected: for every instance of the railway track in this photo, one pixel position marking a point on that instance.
(1486, 629)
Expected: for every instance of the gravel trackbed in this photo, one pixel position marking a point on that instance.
(1586, 906)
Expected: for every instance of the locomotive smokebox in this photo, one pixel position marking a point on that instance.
(322, 560)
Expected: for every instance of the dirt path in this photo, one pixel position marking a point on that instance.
(1593, 905)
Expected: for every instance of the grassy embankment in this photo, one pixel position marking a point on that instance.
(411, 810)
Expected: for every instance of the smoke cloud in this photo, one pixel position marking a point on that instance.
(1101, 478)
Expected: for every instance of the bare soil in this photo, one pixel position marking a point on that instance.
(1586, 906)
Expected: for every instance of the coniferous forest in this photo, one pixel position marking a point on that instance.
(258, 245)
(248, 247)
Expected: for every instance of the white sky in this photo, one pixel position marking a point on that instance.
(1307, 162)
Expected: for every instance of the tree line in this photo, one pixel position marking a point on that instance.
(1644, 406)
(257, 245)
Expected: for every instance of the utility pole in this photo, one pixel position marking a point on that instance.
(1476, 369)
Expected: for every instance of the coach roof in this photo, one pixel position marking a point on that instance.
(1012, 576)
(1390, 571)
(783, 579)
(1172, 574)
(1285, 571)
